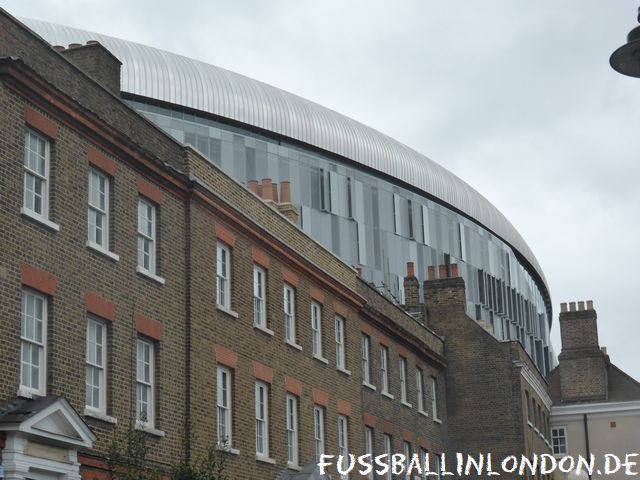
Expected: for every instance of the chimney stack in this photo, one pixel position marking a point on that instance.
(97, 62)
(268, 191)
(411, 286)
(583, 365)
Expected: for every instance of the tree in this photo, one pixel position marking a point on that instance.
(127, 460)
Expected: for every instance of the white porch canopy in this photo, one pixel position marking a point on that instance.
(42, 439)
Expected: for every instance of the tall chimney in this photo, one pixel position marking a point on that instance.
(411, 286)
(583, 365)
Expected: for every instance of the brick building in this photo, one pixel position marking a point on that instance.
(144, 288)
(596, 406)
(497, 400)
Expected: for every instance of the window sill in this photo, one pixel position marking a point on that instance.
(294, 345)
(97, 248)
(229, 450)
(264, 329)
(438, 421)
(227, 311)
(368, 385)
(294, 466)
(387, 394)
(26, 392)
(406, 404)
(100, 416)
(344, 371)
(423, 413)
(321, 359)
(150, 430)
(40, 219)
(262, 458)
(150, 275)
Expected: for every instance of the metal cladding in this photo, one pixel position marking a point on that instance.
(153, 73)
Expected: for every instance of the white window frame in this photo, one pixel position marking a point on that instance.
(223, 276)
(316, 328)
(147, 236)
(384, 369)
(259, 297)
(436, 466)
(98, 211)
(318, 430)
(556, 435)
(434, 398)
(38, 176)
(368, 446)
(343, 442)
(292, 430)
(423, 462)
(262, 419)
(96, 361)
(406, 450)
(387, 444)
(30, 342)
(420, 389)
(403, 381)
(143, 383)
(224, 405)
(366, 359)
(289, 307)
(340, 343)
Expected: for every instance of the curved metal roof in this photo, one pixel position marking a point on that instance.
(172, 78)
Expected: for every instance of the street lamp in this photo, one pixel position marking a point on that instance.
(626, 59)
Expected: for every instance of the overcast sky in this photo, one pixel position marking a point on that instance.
(515, 97)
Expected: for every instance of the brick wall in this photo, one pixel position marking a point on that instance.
(191, 336)
(486, 388)
(80, 270)
(582, 365)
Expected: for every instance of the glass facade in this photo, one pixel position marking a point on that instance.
(368, 220)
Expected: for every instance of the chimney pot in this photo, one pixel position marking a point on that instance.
(267, 190)
(589, 304)
(563, 307)
(604, 350)
(442, 271)
(572, 306)
(75, 45)
(253, 186)
(359, 270)
(431, 272)
(410, 270)
(92, 42)
(285, 192)
(58, 48)
(454, 270)
(581, 306)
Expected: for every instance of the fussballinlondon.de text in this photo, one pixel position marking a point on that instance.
(482, 464)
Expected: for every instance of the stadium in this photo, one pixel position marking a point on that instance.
(374, 202)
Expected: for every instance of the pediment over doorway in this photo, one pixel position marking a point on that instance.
(51, 419)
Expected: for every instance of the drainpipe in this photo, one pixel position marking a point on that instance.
(586, 437)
